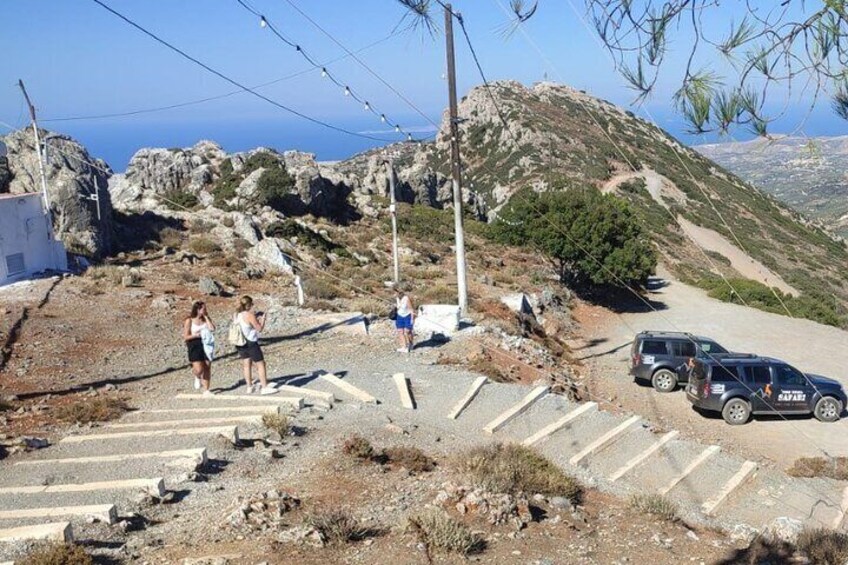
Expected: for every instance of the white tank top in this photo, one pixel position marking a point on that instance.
(250, 333)
(195, 329)
(403, 307)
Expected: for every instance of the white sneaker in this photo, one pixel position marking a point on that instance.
(265, 390)
(248, 389)
(402, 350)
(208, 393)
(196, 383)
(257, 387)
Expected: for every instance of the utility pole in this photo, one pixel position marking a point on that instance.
(40, 152)
(390, 170)
(461, 282)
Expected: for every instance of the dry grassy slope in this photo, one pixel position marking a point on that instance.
(562, 137)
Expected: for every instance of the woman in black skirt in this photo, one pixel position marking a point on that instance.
(193, 328)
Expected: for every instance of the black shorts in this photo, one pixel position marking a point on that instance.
(195, 351)
(252, 351)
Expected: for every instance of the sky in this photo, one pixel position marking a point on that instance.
(79, 60)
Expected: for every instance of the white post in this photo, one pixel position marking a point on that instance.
(38, 149)
(393, 210)
(300, 297)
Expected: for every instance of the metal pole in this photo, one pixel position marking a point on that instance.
(455, 165)
(390, 170)
(38, 149)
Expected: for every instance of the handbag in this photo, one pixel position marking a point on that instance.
(236, 336)
(393, 314)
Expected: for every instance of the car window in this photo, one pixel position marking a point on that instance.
(711, 347)
(654, 347)
(684, 349)
(786, 375)
(723, 374)
(758, 374)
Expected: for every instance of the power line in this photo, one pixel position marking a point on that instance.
(266, 23)
(218, 97)
(362, 63)
(233, 81)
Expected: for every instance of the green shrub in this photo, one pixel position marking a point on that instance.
(274, 188)
(337, 526)
(514, 469)
(322, 290)
(592, 238)
(180, 200)
(203, 245)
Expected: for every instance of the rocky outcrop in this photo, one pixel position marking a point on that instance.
(77, 187)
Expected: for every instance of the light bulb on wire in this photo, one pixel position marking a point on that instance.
(347, 91)
(263, 22)
(323, 72)
(383, 118)
(367, 105)
(397, 128)
(409, 137)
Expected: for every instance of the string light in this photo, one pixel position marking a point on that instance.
(323, 72)
(383, 118)
(347, 91)
(409, 137)
(263, 22)
(397, 128)
(367, 105)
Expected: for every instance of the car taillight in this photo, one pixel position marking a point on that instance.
(636, 359)
(706, 389)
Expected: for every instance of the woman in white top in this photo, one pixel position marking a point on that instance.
(195, 327)
(251, 324)
(405, 319)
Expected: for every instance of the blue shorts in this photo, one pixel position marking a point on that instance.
(404, 322)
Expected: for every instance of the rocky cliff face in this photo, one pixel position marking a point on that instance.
(74, 180)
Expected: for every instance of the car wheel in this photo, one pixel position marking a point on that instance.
(664, 380)
(828, 409)
(736, 412)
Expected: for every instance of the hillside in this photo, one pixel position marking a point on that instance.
(809, 174)
(561, 138)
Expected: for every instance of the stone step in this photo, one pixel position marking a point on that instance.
(578, 435)
(708, 454)
(647, 445)
(196, 456)
(105, 513)
(664, 466)
(54, 531)
(706, 480)
(229, 432)
(195, 422)
(193, 411)
(404, 390)
(492, 400)
(155, 487)
(769, 494)
(347, 388)
(466, 398)
(745, 471)
(293, 401)
(516, 409)
(538, 417)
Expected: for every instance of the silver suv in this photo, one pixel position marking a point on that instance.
(662, 358)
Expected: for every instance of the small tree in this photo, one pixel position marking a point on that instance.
(590, 238)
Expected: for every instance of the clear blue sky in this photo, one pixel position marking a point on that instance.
(77, 59)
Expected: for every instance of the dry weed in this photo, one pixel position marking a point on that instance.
(810, 467)
(276, 423)
(337, 526)
(203, 245)
(358, 447)
(514, 469)
(106, 273)
(58, 554)
(91, 410)
(655, 504)
(410, 458)
(437, 530)
(824, 547)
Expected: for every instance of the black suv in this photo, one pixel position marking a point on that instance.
(741, 385)
(661, 358)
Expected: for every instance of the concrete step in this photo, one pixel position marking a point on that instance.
(580, 433)
(191, 411)
(296, 402)
(212, 422)
(706, 480)
(120, 493)
(541, 413)
(492, 400)
(194, 456)
(105, 513)
(515, 410)
(339, 386)
(659, 470)
(770, 494)
(53, 531)
(228, 431)
(633, 444)
(437, 396)
(122, 445)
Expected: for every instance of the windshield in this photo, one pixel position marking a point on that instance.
(707, 348)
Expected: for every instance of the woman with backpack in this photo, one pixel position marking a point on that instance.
(244, 334)
(200, 341)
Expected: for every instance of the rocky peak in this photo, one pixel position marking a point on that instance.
(74, 180)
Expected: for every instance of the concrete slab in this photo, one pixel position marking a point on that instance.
(559, 424)
(437, 319)
(246, 419)
(516, 409)
(745, 471)
(630, 465)
(56, 531)
(264, 409)
(325, 397)
(694, 464)
(229, 432)
(469, 396)
(294, 401)
(348, 388)
(605, 439)
(156, 487)
(198, 456)
(106, 513)
(404, 391)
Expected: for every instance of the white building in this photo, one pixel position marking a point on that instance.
(26, 239)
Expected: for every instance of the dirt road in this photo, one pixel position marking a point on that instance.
(811, 347)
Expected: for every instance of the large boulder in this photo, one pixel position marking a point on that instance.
(268, 255)
(77, 187)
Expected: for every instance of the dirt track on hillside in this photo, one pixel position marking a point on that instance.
(807, 345)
